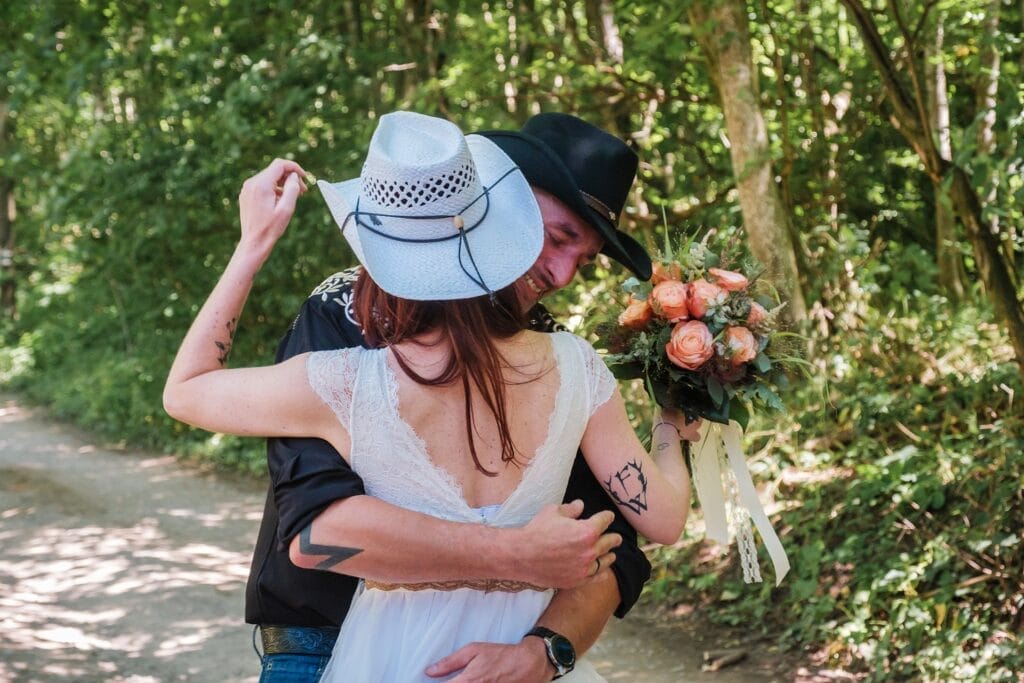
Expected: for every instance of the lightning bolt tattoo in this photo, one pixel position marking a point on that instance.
(336, 554)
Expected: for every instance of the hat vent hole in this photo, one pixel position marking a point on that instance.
(415, 193)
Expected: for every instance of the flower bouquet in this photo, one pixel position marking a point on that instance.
(702, 339)
(705, 339)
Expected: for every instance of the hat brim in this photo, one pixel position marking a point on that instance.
(498, 251)
(544, 169)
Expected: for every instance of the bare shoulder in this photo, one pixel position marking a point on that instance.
(529, 352)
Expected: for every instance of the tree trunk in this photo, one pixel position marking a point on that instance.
(610, 33)
(951, 268)
(990, 261)
(913, 124)
(8, 283)
(532, 33)
(987, 88)
(724, 35)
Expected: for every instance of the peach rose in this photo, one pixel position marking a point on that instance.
(703, 294)
(637, 315)
(740, 344)
(729, 280)
(660, 272)
(757, 314)
(669, 299)
(691, 345)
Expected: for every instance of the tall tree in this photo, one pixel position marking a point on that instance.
(724, 34)
(910, 117)
(986, 90)
(947, 252)
(7, 278)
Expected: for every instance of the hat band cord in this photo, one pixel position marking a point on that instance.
(460, 235)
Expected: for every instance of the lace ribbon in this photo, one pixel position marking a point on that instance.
(720, 444)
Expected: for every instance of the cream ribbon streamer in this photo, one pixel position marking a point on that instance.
(719, 443)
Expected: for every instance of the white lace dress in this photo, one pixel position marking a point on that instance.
(393, 635)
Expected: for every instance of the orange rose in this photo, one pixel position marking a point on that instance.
(757, 314)
(729, 280)
(637, 315)
(669, 300)
(740, 344)
(691, 345)
(703, 294)
(661, 272)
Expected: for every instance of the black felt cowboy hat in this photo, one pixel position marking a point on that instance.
(586, 168)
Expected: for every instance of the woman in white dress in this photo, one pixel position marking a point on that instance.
(459, 411)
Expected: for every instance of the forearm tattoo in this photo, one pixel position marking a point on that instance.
(336, 554)
(628, 487)
(225, 347)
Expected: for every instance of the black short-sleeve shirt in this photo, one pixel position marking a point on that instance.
(307, 475)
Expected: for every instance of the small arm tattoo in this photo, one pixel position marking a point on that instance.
(628, 487)
(225, 347)
(336, 554)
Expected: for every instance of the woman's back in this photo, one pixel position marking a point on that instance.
(409, 440)
(437, 414)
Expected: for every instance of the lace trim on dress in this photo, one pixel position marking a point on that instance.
(332, 375)
(601, 381)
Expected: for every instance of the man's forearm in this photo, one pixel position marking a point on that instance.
(368, 538)
(580, 614)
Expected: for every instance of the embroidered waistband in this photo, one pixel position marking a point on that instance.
(484, 585)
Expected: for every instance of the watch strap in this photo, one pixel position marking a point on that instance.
(542, 632)
(548, 636)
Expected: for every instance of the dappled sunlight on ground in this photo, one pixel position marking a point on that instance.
(109, 575)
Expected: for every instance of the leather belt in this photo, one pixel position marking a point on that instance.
(298, 640)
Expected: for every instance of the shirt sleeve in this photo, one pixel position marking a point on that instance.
(307, 475)
(631, 568)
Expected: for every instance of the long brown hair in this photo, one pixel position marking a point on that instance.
(468, 326)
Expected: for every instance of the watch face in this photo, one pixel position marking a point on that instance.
(563, 651)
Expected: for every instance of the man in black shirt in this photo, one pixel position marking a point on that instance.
(320, 530)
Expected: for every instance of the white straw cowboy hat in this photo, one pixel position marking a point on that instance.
(436, 215)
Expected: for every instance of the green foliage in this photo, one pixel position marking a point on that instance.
(904, 506)
(130, 126)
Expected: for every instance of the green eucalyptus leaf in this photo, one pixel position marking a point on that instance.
(715, 390)
(762, 362)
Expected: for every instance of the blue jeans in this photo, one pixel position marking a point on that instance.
(291, 668)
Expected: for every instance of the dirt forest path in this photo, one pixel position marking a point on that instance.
(125, 566)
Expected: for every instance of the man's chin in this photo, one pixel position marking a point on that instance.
(526, 296)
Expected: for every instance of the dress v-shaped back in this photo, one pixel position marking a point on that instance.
(453, 488)
(361, 388)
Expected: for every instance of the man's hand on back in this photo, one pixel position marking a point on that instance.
(558, 550)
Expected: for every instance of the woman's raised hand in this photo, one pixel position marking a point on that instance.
(267, 202)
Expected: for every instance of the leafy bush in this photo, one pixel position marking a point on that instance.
(903, 506)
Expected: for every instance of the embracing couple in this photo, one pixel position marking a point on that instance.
(428, 417)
